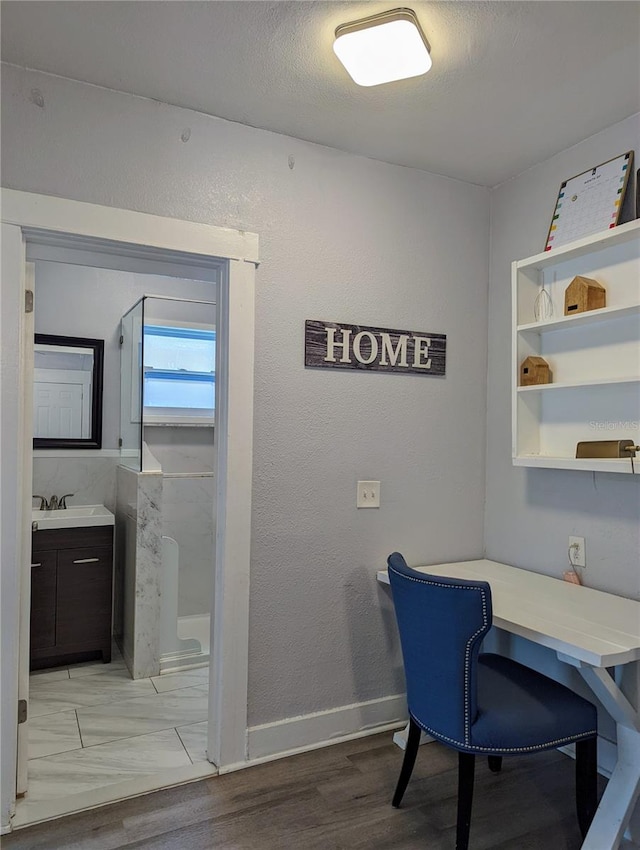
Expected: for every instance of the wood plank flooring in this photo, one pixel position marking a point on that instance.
(337, 798)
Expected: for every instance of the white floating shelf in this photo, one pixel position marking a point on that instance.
(581, 247)
(581, 319)
(604, 353)
(588, 464)
(577, 384)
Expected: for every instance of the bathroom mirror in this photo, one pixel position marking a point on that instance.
(67, 392)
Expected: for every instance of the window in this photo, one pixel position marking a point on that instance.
(179, 374)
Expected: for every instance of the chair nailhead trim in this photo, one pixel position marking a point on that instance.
(568, 740)
(467, 656)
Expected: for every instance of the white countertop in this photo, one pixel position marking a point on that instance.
(81, 516)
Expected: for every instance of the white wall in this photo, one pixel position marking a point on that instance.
(342, 238)
(530, 513)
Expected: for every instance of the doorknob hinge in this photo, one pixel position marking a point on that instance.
(28, 301)
(22, 711)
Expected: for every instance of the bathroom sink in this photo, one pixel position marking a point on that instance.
(76, 517)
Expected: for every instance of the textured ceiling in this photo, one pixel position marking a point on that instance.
(512, 83)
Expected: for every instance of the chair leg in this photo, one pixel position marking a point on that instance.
(466, 768)
(586, 782)
(495, 764)
(410, 753)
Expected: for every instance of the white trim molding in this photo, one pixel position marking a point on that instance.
(12, 289)
(322, 728)
(92, 221)
(233, 438)
(32, 220)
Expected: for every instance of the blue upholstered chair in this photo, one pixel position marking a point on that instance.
(479, 703)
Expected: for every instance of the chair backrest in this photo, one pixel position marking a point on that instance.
(442, 622)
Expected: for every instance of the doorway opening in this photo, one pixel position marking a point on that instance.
(101, 476)
(96, 726)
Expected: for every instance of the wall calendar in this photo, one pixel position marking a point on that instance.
(590, 202)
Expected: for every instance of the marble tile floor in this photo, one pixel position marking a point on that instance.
(92, 726)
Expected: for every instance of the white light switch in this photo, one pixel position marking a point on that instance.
(368, 494)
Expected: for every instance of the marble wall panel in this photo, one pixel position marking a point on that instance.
(125, 561)
(146, 655)
(181, 448)
(148, 506)
(92, 480)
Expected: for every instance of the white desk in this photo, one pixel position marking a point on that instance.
(590, 630)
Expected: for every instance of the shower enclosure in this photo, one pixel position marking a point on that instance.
(166, 485)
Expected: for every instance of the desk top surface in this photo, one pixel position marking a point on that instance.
(589, 625)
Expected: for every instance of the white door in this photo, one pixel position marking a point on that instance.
(57, 410)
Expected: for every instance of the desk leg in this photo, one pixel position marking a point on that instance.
(400, 738)
(623, 789)
(620, 796)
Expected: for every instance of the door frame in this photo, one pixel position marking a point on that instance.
(41, 218)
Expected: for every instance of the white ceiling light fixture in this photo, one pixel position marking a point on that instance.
(382, 48)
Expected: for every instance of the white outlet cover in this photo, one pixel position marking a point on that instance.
(577, 554)
(368, 494)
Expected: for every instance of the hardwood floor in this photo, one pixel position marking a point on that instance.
(337, 798)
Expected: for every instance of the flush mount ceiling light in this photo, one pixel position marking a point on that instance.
(381, 48)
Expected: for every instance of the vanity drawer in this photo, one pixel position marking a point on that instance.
(43, 600)
(72, 538)
(80, 559)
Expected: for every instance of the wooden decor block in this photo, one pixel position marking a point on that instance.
(534, 370)
(584, 294)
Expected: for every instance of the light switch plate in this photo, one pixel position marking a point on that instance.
(368, 494)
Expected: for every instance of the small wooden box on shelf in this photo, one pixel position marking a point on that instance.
(533, 371)
(594, 352)
(584, 294)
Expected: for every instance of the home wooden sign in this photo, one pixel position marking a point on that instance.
(335, 345)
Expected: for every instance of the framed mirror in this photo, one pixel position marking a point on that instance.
(67, 392)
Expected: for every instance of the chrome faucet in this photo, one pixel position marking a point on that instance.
(54, 503)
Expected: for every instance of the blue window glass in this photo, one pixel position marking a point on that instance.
(179, 371)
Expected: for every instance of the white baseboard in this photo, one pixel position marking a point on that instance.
(272, 741)
(607, 755)
(311, 731)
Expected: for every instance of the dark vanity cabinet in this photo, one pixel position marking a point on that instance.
(71, 595)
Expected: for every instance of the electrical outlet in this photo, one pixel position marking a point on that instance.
(577, 552)
(368, 494)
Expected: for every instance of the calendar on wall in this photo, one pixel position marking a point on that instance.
(590, 202)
